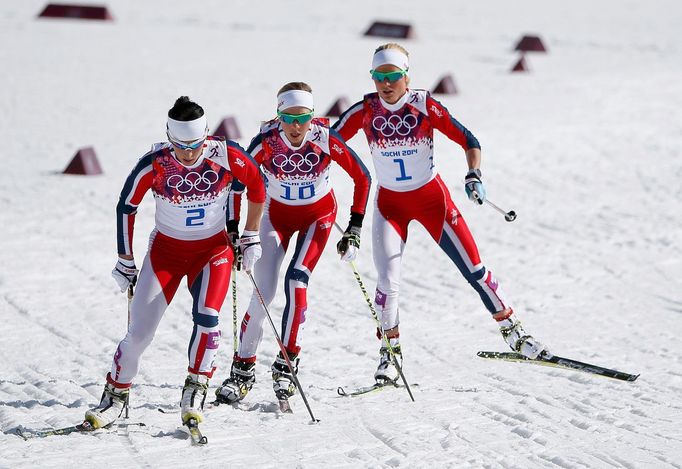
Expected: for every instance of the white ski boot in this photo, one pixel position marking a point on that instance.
(386, 371)
(110, 407)
(518, 340)
(193, 397)
(282, 380)
(241, 380)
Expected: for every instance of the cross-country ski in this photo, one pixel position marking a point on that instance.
(84, 427)
(560, 362)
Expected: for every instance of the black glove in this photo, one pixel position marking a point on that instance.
(349, 244)
(233, 234)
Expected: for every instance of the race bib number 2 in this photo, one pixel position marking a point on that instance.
(195, 217)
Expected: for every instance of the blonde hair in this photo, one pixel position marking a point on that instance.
(295, 85)
(392, 45)
(395, 45)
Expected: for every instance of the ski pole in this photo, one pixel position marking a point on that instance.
(387, 342)
(131, 293)
(281, 346)
(234, 308)
(509, 216)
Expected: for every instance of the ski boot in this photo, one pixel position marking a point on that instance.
(282, 379)
(241, 380)
(520, 341)
(193, 397)
(114, 401)
(386, 371)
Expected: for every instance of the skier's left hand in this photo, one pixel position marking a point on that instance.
(233, 234)
(474, 187)
(249, 249)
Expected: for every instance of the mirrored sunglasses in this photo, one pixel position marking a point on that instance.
(186, 145)
(390, 76)
(291, 118)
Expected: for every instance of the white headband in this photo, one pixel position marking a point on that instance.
(294, 98)
(390, 57)
(187, 131)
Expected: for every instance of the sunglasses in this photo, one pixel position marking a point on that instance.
(186, 145)
(392, 77)
(291, 118)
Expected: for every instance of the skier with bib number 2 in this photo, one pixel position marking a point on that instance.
(190, 178)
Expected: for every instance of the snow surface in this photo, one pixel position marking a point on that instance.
(586, 148)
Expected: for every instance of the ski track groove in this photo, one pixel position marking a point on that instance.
(379, 436)
(138, 456)
(34, 321)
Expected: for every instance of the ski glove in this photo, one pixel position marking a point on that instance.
(349, 245)
(125, 273)
(233, 233)
(249, 250)
(474, 187)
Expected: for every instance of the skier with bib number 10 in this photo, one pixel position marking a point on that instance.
(295, 152)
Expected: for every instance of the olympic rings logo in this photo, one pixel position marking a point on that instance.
(193, 180)
(395, 125)
(296, 161)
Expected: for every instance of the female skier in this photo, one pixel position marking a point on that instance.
(399, 123)
(190, 179)
(295, 151)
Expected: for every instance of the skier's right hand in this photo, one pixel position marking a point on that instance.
(125, 273)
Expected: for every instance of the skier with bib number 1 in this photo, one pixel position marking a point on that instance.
(399, 123)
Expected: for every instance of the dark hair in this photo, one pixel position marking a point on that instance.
(185, 109)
